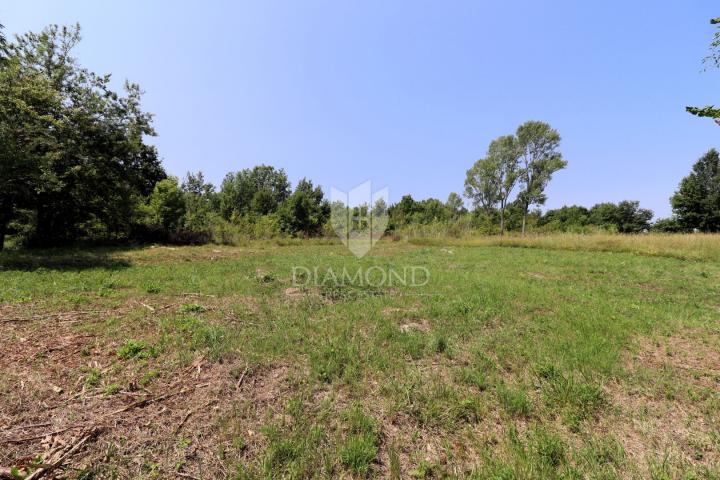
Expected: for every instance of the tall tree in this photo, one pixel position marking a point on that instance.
(76, 148)
(200, 201)
(27, 123)
(481, 184)
(697, 200)
(540, 157)
(454, 205)
(490, 182)
(505, 151)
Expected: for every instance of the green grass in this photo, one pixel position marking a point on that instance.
(508, 363)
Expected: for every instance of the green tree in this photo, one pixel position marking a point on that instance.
(380, 208)
(239, 192)
(540, 157)
(667, 225)
(481, 184)
(625, 217)
(696, 203)
(306, 211)
(401, 213)
(505, 151)
(200, 202)
(27, 101)
(714, 59)
(455, 205)
(490, 182)
(166, 206)
(74, 150)
(566, 218)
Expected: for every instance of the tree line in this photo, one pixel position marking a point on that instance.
(75, 165)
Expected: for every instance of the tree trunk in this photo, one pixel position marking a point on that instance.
(4, 219)
(523, 224)
(502, 222)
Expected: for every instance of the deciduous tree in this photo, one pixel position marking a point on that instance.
(696, 203)
(540, 157)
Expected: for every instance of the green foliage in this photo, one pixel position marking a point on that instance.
(455, 206)
(540, 158)
(260, 190)
(625, 217)
(696, 203)
(112, 389)
(201, 202)
(713, 58)
(491, 180)
(93, 377)
(305, 212)
(294, 447)
(166, 205)
(73, 149)
(482, 184)
(192, 308)
(667, 225)
(565, 219)
(424, 212)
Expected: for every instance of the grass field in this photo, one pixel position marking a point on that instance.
(594, 357)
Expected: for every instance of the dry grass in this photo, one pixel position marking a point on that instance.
(697, 246)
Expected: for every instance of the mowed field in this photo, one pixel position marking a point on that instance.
(576, 358)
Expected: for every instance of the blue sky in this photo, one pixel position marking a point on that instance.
(408, 94)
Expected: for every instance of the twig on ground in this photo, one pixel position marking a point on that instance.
(242, 377)
(137, 404)
(40, 472)
(43, 435)
(147, 306)
(182, 422)
(50, 316)
(191, 412)
(186, 475)
(148, 401)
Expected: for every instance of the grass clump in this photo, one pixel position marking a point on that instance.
(136, 349)
(515, 401)
(336, 360)
(360, 448)
(93, 378)
(296, 446)
(192, 308)
(577, 400)
(112, 389)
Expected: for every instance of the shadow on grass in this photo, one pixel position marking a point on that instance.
(62, 259)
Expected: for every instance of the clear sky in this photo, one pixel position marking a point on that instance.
(408, 94)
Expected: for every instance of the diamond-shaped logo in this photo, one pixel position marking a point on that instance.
(359, 217)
